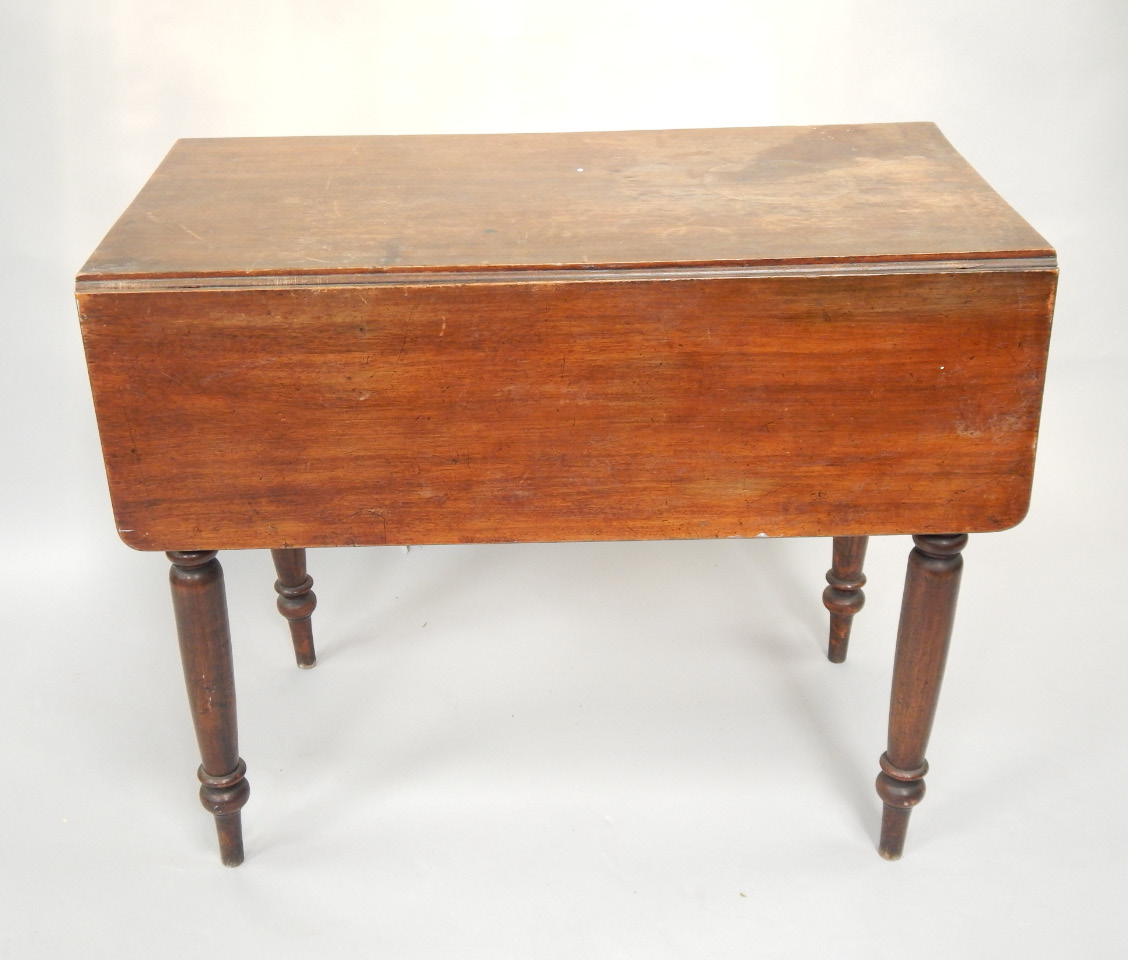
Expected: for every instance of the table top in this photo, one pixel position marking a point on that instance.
(693, 333)
(300, 209)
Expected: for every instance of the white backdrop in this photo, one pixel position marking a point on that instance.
(100, 838)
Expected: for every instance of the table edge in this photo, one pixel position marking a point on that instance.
(1035, 261)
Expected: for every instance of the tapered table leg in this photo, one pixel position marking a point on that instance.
(843, 596)
(927, 613)
(200, 603)
(296, 602)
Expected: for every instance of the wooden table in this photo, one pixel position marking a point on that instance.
(786, 331)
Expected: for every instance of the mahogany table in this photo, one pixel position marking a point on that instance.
(809, 331)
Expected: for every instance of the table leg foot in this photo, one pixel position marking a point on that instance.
(894, 825)
(230, 830)
(200, 604)
(900, 791)
(224, 798)
(296, 602)
(928, 610)
(843, 596)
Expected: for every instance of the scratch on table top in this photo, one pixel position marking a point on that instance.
(192, 233)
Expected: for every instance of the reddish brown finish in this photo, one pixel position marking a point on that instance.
(479, 339)
(798, 406)
(386, 206)
(296, 601)
(843, 596)
(836, 331)
(200, 604)
(928, 610)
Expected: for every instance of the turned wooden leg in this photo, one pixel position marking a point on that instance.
(205, 648)
(296, 602)
(927, 612)
(844, 597)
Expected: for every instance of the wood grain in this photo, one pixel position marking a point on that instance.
(809, 331)
(928, 610)
(778, 331)
(379, 205)
(200, 604)
(578, 411)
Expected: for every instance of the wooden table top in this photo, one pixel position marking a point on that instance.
(783, 331)
(305, 208)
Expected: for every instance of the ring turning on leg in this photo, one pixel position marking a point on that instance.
(296, 601)
(927, 612)
(843, 596)
(200, 605)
